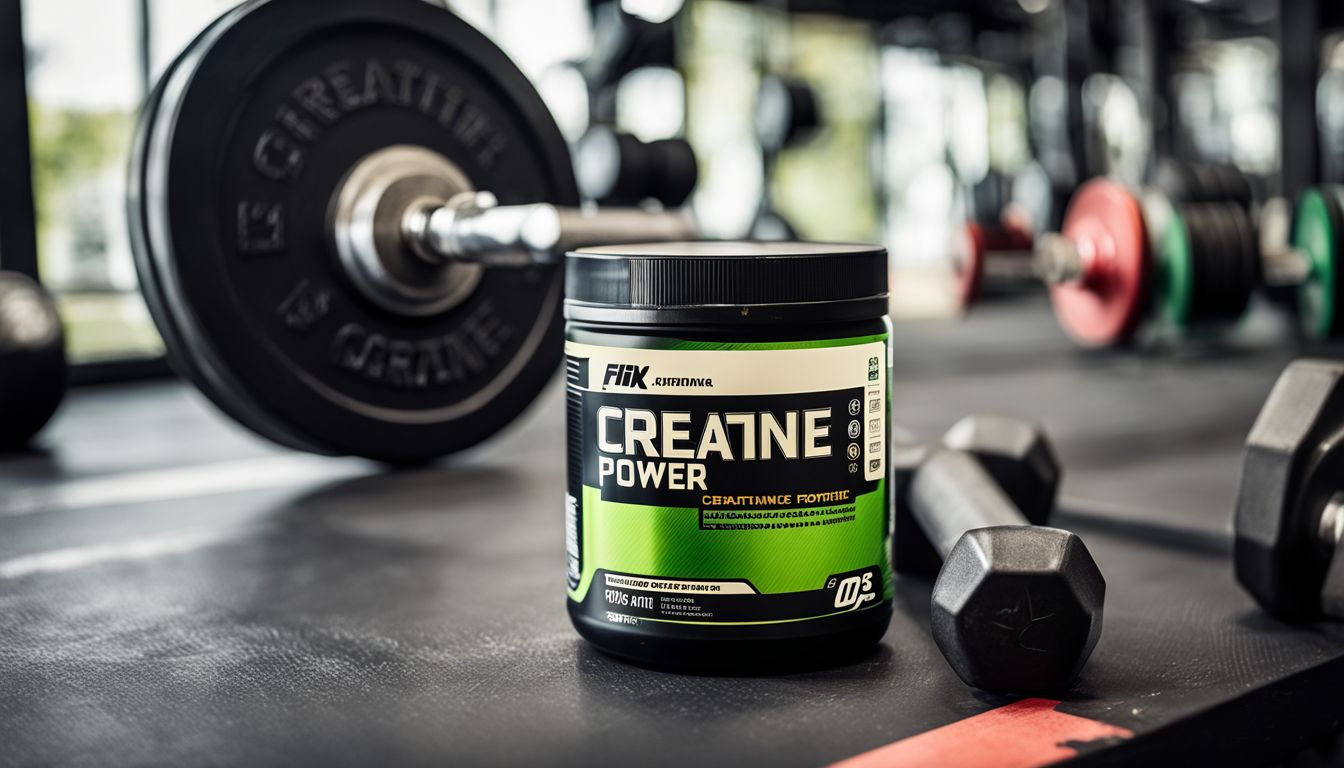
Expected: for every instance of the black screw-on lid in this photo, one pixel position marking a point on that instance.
(719, 281)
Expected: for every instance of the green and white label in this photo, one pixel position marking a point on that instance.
(715, 483)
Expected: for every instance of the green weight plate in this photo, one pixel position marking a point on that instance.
(1316, 233)
(1175, 280)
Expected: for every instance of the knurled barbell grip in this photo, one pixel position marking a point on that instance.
(615, 226)
(1053, 260)
(477, 230)
(1057, 259)
(1285, 267)
(951, 493)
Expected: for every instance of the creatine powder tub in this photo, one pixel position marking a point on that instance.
(727, 506)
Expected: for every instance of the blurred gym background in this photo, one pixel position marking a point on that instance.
(890, 121)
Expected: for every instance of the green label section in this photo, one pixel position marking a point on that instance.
(777, 550)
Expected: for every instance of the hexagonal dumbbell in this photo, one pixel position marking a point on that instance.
(1017, 608)
(1016, 454)
(32, 359)
(1290, 505)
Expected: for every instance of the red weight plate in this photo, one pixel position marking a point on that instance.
(1103, 308)
(1010, 239)
(968, 265)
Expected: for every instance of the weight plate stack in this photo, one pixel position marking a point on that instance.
(1202, 182)
(1208, 265)
(1316, 233)
(240, 156)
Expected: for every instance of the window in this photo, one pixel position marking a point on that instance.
(85, 82)
(89, 65)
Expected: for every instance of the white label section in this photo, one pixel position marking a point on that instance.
(732, 371)
(680, 586)
(708, 372)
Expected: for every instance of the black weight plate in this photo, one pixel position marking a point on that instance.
(242, 151)
(1175, 179)
(178, 353)
(1227, 254)
(1233, 185)
(1201, 182)
(1251, 275)
(1206, 185)
(1210, 259)
(1220, 252)
(1329, 275)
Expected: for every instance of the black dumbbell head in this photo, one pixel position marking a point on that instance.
(1292, 465)
(787, 112)
(1016, 453)
(616, 168)
(32, 359)
(1018, 609)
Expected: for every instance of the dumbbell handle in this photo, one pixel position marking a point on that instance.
(1330, 528)
(1282, 264)
(951, 493)
(474, 228)
(1330, 533)
(1285, 267)
(1057, 260)
(1054, 260)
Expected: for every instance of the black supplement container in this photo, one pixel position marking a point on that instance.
(727, 505)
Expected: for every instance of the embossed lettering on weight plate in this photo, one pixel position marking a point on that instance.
(304, 306)
(345, 87)
(451, 358)
(261, 227)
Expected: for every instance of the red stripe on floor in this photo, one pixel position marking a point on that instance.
(1030, 732)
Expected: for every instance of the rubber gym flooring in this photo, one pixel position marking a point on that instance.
(175, 591)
